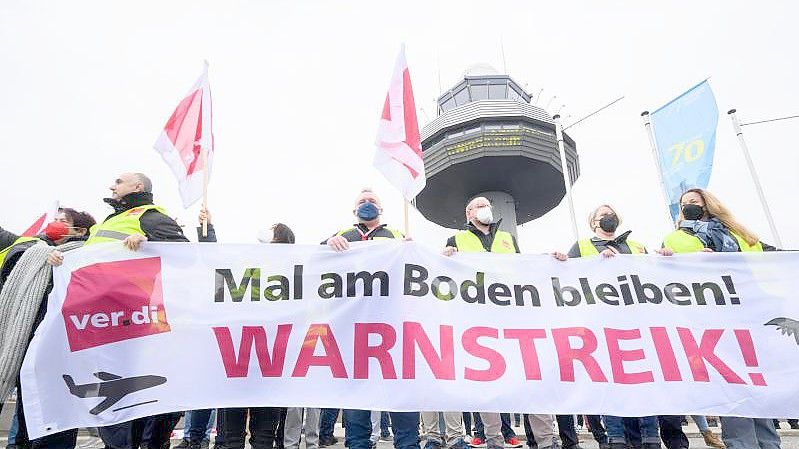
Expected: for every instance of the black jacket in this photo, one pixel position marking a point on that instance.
(7, 238)
(360, 232)
(157, 227)
(211, 237)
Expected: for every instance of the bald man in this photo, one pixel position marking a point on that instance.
(482, 234)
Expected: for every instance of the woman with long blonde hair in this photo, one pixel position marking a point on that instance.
(705, 224)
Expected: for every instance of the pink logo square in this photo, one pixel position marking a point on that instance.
(114, 301)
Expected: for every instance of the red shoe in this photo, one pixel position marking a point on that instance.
(513, 442)
(477, 442)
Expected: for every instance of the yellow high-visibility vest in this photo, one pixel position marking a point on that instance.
(680, 241)
(587, 248)
(120, 226)
(466, 241)
(6, 250)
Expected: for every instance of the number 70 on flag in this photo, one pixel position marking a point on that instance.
(687, 151)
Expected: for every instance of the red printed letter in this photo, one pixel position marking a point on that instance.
(697, 354)
(618, 356)
(363, 352)
(496, 364)
(331, 359)
(567, 355)
(239, 366)
(526, 337)
(668, 362)
(413, 336)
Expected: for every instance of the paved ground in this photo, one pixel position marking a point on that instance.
(790, 438)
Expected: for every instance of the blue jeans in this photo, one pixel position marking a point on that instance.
(740, 433)
(701, 422)
(327, 422)
(198, 424)
(467, 422)
(12, 431)
(507, 430)
(359, 429)
(648, 424)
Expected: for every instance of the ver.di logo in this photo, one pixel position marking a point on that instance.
(114, 301)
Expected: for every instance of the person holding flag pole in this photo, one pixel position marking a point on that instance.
(399, 157)
(187, 143)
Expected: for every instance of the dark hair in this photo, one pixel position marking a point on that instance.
(283, 234)
(79, 219)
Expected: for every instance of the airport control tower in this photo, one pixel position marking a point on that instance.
(488, 140)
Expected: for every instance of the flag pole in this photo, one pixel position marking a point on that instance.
(651, 134)
(407, 225)
(736, 125)
(566, 177)
(204, 156)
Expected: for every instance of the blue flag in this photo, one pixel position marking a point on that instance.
(685, 137)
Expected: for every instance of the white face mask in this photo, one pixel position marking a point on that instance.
(484, 215)
(266, 236)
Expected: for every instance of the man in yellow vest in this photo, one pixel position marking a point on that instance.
(359, 422)
(483, 235)
(135, 220)
(367, 210)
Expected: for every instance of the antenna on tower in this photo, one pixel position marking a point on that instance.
(502, 49)
(538, 97)
(425, 113)
(550, 102)
(438, 66)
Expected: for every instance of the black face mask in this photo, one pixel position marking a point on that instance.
(692, 212)
(609, 223)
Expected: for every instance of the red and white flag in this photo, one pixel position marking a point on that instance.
(186, 134)
(38, 226)
(399, 147)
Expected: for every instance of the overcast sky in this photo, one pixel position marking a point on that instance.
(298, 87)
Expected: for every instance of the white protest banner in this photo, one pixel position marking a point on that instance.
(394, 326)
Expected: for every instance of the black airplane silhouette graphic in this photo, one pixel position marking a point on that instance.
(113, 388)
(787, 326)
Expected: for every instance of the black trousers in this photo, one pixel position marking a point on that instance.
(281, 428)
(632, 431)
(130, 434)
(671, 432)
(263, 422)
(566, 431)
(528, 433)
